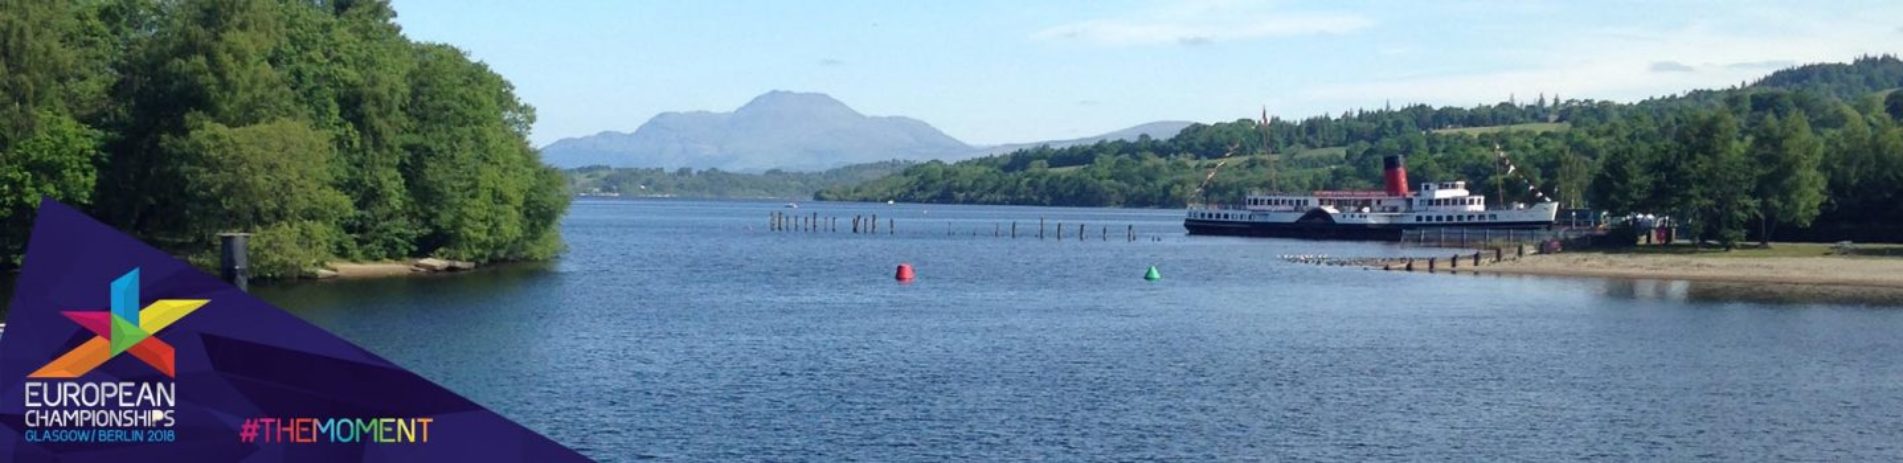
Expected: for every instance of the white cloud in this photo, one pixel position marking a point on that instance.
(1204, 22)
(1625, 64)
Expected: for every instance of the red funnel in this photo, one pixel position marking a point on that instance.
(1394, 174)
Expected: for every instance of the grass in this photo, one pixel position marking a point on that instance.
(1330, 152)
(1751, 250)
(1530, 127)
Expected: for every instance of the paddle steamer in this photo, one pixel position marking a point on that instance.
(1367, 215)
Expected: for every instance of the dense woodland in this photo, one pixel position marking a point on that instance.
(314, 124)
(1813, 152)
(716, 183)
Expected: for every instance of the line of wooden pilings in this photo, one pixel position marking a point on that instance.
(1453, 262)
(814, 222)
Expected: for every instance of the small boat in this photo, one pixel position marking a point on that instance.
(792, 205)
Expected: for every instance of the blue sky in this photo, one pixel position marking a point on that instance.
(992, 72)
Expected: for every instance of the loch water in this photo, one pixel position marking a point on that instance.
(687, 331)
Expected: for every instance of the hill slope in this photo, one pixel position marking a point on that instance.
(1158, 130)
(779, 129)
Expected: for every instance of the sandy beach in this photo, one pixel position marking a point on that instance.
(1878, 272)
(373, 269)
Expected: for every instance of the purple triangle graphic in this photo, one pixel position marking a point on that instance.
(237, 359)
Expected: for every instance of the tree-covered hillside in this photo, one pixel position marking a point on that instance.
(315, 125)
(716, 183)
(1816, 147)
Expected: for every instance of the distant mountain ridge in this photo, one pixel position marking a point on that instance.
(786, 130)
(1158, 130)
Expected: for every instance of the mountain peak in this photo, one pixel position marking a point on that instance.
(779, 129)
(790, 101)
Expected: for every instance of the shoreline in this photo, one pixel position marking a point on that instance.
(1848, 272)
(390, 269)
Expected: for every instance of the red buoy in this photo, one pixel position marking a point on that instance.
(905, 272)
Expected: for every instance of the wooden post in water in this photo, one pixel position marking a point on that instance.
(1040, 228)
(1476, 258)
(234, 260)
(1014, 229)
(1080, 232)
(1519, 250)
(875, 223)
(1498, 254)
(855, 224)
(1060, 231)
(1453, 262)
(891, 226)
(1430, 264)
(1410, 264)
(994, 229)
(1104, 233)
(1132, 232)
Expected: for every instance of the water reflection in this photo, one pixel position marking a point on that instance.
(1762, 293)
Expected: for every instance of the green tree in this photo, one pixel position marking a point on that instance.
(1623, 183)
(1717, 176)
(1789, 187)
(51, 84)
(272, 179)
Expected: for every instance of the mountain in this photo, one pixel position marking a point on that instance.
(777, 130)
(1158, 130)
(790, 131)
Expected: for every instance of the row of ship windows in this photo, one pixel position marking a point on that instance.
(1221, 216)
(1277, 202)
(1467, 201)
(1456, 218)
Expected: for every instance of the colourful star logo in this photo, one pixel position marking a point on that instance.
(126, 328)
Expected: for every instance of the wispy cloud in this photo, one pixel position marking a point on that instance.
(830, 62)
(1204, 22)
(1671, 66)
(1628, 64)
(1763, 65)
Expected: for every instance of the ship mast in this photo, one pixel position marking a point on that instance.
(1500, 170)
(1266, 154)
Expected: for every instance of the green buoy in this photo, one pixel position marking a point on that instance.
(1152, 275)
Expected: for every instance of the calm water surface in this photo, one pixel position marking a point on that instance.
(683, 330)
